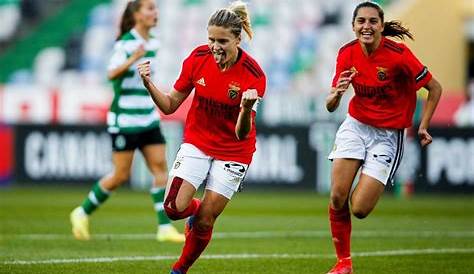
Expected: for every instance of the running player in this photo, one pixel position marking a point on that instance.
(219, 134)
(385, 76)
(133, 122)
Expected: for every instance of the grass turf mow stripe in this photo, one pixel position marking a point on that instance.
(260, 234)
(401, 252)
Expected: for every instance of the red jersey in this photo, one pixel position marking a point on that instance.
(211, 120)
(385, 84)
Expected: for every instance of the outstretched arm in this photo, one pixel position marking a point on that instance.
(334, 97)
(244, 121)
(167, 102)
(435, 90)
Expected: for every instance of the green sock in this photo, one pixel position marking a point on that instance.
(95, 198)
(158, 195)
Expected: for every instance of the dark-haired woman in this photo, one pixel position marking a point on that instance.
(133, 122)
(385, 76)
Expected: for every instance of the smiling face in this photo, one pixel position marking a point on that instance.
(368, 27)
(147, 14)
(224, 45)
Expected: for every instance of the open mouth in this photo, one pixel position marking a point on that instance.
(367, 34)
(219, 56)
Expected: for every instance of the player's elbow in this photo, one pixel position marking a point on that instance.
(434, 87)
(330, 107)
(110, 76)
(167, 111)
(241, 136)
(241, 133)
(113, 74)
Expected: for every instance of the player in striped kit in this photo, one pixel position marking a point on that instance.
(385, 76)
(133, 121)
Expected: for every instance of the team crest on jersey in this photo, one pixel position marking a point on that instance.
(233, 91)
(382, 73)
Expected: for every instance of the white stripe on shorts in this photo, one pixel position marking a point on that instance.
(398, 155)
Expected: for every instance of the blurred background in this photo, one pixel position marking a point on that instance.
(54, 94)
(54, 98)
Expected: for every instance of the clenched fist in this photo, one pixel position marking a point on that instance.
(249, 98)
(144, 70)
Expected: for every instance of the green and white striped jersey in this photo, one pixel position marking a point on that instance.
(132, 109)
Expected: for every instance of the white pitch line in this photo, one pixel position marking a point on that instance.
(259, 235)
(402, 252)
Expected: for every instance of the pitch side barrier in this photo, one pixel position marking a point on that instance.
(447, 165)
(287, 157)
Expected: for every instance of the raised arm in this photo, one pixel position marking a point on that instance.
(244, 121)
(434, 93)
(167, 102)
(334, 97)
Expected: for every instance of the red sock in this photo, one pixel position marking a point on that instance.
(341, 230)
(196, 242)
(191, 209)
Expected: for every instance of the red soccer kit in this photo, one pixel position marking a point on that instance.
(211, 120)
(385, 84)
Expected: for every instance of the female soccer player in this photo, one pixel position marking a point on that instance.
(385, 76)
(133, 121)
(219, 134)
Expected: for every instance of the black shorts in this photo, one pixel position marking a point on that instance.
(132, 141)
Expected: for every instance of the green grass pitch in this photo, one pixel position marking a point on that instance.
(259, 232)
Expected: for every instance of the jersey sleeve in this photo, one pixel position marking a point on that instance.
(340, 67)
(260, 85)
(416, 70)
(184, 83)
(119, 56)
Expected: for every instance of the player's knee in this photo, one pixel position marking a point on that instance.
(120, 176)
(159, 168)
(338, 200)
(173, 214)
(204, 223)
(359, 213)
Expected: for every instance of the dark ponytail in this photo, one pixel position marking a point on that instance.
(391, 28)
(395, 29)
(128, 21)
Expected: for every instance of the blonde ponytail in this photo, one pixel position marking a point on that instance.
(240, 8)
(235, 17)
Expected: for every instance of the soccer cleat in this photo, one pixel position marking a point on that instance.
(343, 266)
(188, 225)
(175, 271)
(169, 234)
(80, 224)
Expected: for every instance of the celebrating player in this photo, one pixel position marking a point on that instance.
(133, 121)
(219, 134)
(385, 76)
